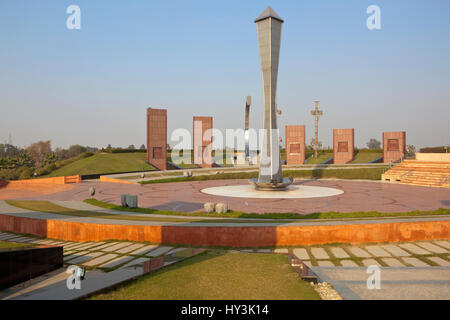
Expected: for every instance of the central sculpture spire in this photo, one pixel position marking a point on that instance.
(269, 26)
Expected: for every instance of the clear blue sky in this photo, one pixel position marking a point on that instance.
(92, 86)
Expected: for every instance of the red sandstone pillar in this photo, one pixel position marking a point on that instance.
(157, 138)
(202, 141)
(394, 146)
(295, 145)
(343, 145)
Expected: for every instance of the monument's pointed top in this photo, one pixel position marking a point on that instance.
(269, 13)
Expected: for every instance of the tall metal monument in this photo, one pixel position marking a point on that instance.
(269, 39)
(247, 124)
(316, 113)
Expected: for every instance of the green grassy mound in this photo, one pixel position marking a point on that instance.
(366, 157)
(105, 163)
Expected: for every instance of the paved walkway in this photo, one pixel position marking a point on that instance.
(424, 283)
(108, 263)
(344, 266)
(113, 254)
(187, 197)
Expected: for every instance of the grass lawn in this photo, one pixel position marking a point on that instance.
(105, 163)
(366, 157)
(322, 157)
(339, 173)
(280, 216)
(221, 276)
(361, 157)
(49, 207)
(8, 245)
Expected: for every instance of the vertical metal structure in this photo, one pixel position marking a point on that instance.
(247, 124)
(269, 25)
(316, 113)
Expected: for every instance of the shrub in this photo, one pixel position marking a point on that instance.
(46, 169)
(25, 173)
(8, 174)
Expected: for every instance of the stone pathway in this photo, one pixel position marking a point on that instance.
(108, 256)
(419, 254)
(116, 254)
(399, 283)
(107, 263)
(105, 255)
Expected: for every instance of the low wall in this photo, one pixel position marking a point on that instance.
(433, 157)
(106, 179)
(54, 180)
(258, 236)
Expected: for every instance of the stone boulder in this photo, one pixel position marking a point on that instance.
(209, 207)
(221, 207)
(129, 201)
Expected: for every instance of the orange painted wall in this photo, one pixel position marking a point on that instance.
(106, 179)
(54, 180)
(231, 236)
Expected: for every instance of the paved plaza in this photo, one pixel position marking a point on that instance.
(187, 196)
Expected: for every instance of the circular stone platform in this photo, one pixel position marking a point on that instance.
(292, 192)
(188, 196)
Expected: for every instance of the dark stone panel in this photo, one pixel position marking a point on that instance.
(21, 264)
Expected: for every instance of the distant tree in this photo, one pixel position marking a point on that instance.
(131, 147)
(38, 150)
(410, 150)
(373, 144)
(91, 149)
(61, 153)
(76, 150)
(8, 150)
(50, 158)
(142, 147)
(24, 160)
(108, 146)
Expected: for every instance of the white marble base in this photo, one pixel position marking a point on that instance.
(293, 192)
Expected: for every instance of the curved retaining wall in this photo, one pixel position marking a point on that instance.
(258, 236)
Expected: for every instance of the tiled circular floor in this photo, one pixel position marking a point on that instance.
(187, 196)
